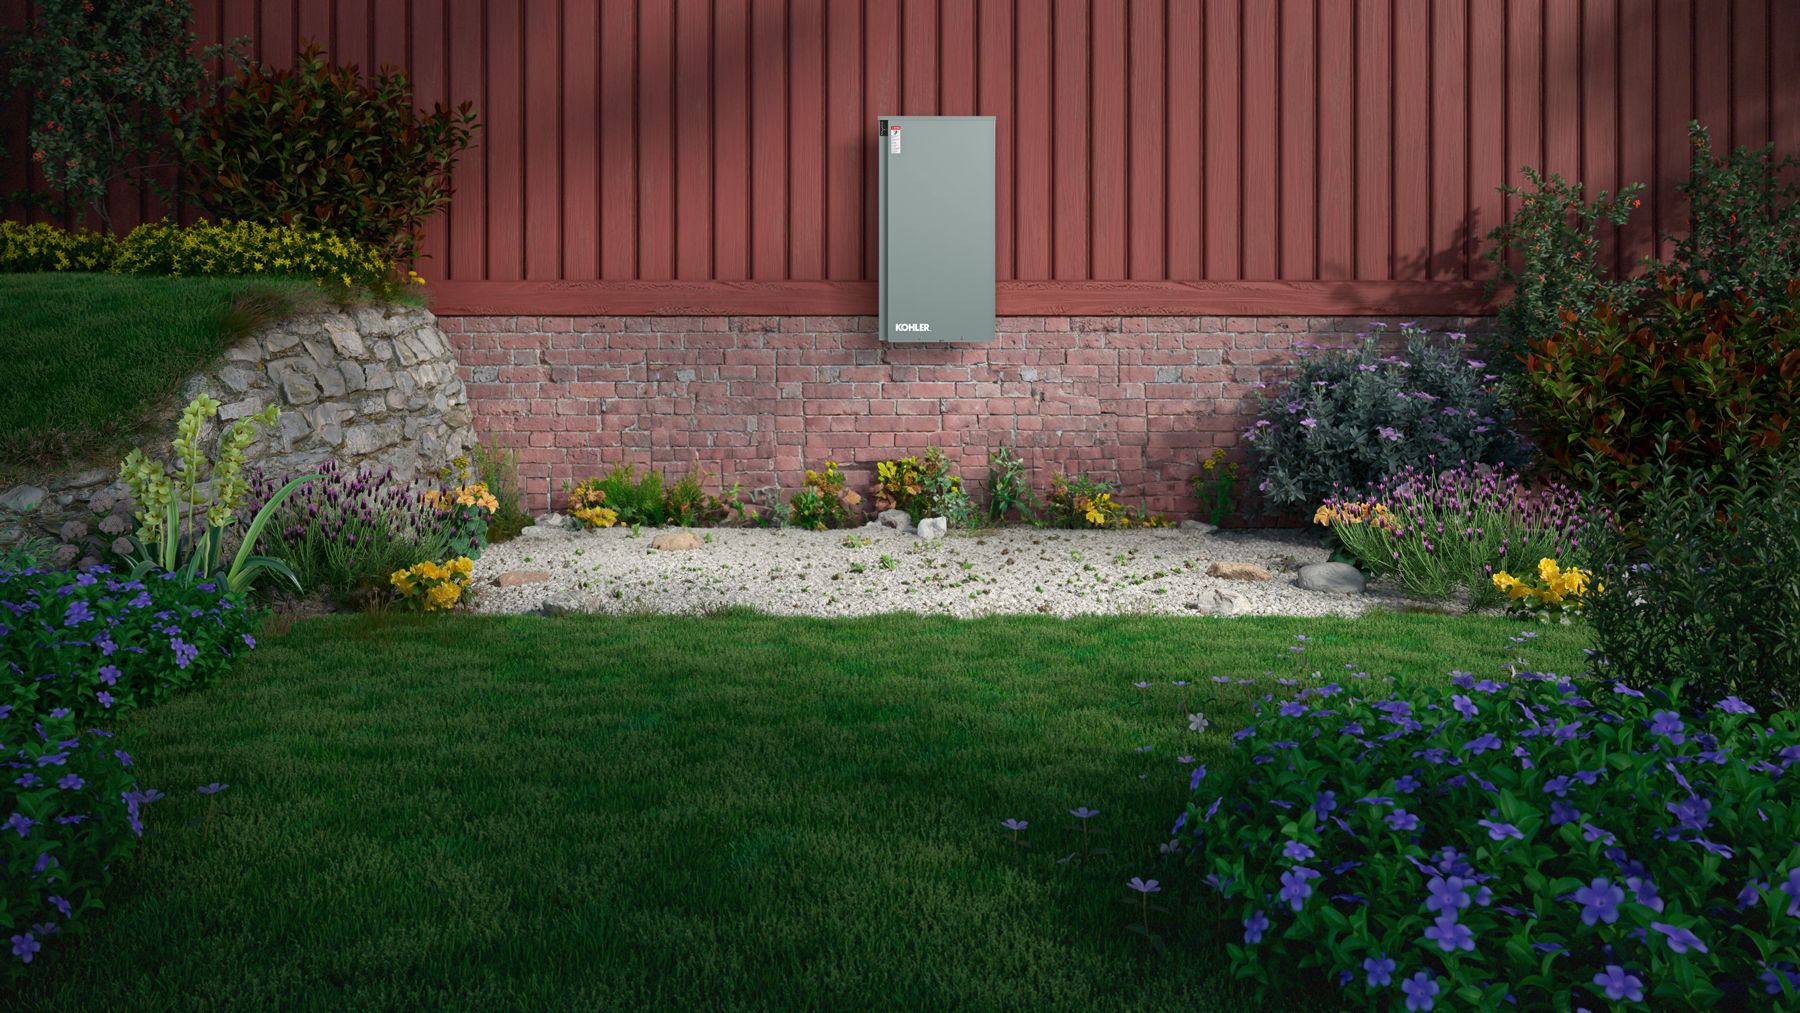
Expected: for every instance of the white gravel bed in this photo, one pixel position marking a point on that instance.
(871, 570)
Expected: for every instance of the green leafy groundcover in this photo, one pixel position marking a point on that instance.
(1529, 843)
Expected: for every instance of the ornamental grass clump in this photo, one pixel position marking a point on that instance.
(347, 531)
(1527, 842)
(1456, 528)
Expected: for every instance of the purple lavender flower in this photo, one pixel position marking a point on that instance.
(1619, 985)
(1254, 926)
(1381, 970)
(1419, 990)
(1600, 902)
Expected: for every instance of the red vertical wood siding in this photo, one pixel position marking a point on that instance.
(1154, 156)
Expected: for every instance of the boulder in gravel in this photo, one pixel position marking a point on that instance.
(515, 578)
(556, 520)
(899, 520)
(672, 540)
(933, 527)
(1237, 571)
(1222, 603)
(541, 530)
(1332, 578)
(564, 603)
(21, 498)
(1199, 527)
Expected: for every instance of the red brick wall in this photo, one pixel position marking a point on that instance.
(1136, 400)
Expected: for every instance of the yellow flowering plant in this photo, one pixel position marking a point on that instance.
(587, 504)
(823, 503)
(1077, 502)
(162, 536)
(1560, 593)
(1215, 484)
(434, 587)
(466, 508)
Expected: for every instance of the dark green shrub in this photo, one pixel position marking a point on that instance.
(247, 248)
(1349, 417)
(110, 85)
(1743, 235)
(1684, 368)
(316, 147)
(1709, 589)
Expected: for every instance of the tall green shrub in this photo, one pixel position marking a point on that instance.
(110, 82)
(317, 147)
(1743, 237)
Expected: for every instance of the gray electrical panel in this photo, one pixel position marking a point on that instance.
(936, 186)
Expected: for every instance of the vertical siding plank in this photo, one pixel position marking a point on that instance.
(467, 221)
(1033, 169)
(919, 58)
(506, 135)
(768, 140)
(1750, 73)
(847, 131)
(1222, 164)
(1637, 126)
(1674, 109)
(350, 29)
(1600, 113)
(430, 87)
(958, 48)
(542, 181)
(1712, 72)
(1147, 113)
(1185, 141)
(206, 31)
(1070, 150)
(1412, 140)
(387, 43)
(1298, 213)
(1562, 89)
(1262, 141)
(693, 140)
(1449, 136)
(995, 44)
(315, 25)
(580, 92)
(656, 142)
(276, 43)
(806, 140)
(1337, 139)
(881, 96)
(1374, 139)
(1107, 122)
(618, 142)
(1784, 37)
(731, 140)
(1524, 98)
(1487, 128)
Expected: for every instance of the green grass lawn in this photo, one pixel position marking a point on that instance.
(730, 812)
(115, 349)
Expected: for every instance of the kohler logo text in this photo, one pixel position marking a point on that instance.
(912, 327)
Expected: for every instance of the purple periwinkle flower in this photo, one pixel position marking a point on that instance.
(1014, 825)
(61, 904)
(1599, 901)
(1419, 990)
(21, 824)
(1500, 831)
(1446, 894)
(1691, 813)
(1381, 970)
(1400, 819)
(1680, 940)
(1296, 886)
(1732, 705)
(1792, 889)
(211, 789)
(1619, 985)
(1254, 926)
(24, 946)
(1450, 934)
(1482, 744)
(1325, 803)
(1464, 705)
(1667, 724)
(109, 674)
(71, 782)
(1295, 849)
(1142, 887)
(1198, 776)
(1081, 814)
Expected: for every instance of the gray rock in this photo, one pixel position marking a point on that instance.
(1222, 603)
(238, 378)
(345, 339)
(352, 375)
(1200, 526)
(933, 527)
(91, 476)
(279, 340)
(21, 498)
(1332, 578)
(298, 387)
(565, 603)
(899, 520)
(376, 377)
(542, 531)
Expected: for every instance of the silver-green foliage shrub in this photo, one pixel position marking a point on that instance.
(1351, 416)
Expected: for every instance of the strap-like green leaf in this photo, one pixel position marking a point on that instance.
(256, 526)
(241, 579)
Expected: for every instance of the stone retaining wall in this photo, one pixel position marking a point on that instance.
(373, 385)
(758, 400)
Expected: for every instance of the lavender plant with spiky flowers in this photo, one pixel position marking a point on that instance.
(347, 528)
(1457, 528)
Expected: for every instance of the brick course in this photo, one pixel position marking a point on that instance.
(758, 400)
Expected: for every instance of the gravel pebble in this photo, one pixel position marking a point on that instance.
(872, 570)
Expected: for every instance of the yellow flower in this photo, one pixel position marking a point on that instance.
(445, 595)
(1547, 569)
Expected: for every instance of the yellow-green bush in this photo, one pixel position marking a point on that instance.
(204, 248)
(237, 248)
(30, 248)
